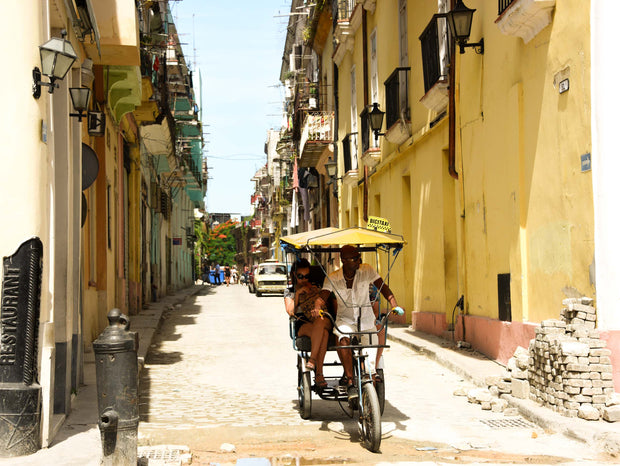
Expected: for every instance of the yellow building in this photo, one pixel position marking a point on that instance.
(482, 163)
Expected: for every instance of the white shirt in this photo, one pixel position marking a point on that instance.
(351, 299)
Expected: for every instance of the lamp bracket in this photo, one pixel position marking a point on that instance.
(78, 115)
(478, 46)
(37, 83)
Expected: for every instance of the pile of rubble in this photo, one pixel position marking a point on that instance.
(570, 368)
(567, 369)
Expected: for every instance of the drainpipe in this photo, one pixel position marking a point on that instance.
(452, 111)
(365, 66)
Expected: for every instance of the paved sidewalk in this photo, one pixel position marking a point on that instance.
(78, 442)
(475, 368)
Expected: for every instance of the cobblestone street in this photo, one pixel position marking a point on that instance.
(222, 370)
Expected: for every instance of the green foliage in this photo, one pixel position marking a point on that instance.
(220, 246)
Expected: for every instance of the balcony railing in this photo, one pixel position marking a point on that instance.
(319, 126)
(397, 96)
(502, 5)
(435, 51)
(341, 10)
(365, 132)
(317, 133)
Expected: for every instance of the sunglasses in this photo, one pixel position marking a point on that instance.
(301, 276)
(352, 259)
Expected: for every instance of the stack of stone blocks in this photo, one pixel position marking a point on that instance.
(569, 369)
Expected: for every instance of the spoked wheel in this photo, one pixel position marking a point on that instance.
(370, 418)
(304, 391)
(380, 388)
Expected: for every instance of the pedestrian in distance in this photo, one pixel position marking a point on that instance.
(227, 275)
(218, 280)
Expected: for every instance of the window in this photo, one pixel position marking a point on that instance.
(435, 56)
(352, 141)
(396, 96)
(402, 32)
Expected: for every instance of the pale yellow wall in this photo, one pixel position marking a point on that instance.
(521, 143)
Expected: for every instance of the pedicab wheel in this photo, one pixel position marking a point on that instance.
(380, 388)
(304, 391)
(370, 418)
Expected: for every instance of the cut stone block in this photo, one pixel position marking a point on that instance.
(573, 348)
(613, 400)
(499, 405)
(521, 388)
(479, 395)
(588, 412)
(611, 413)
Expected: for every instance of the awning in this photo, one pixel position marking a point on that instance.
(334, 238)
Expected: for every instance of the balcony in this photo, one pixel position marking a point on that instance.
(397, 113)
(316, 135)
(435, 60)
(371, 154)
(347, 17)
(524, 18)
(118, 34)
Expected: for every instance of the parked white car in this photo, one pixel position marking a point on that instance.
(270, 277)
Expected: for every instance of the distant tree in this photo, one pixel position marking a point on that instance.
(220, 244)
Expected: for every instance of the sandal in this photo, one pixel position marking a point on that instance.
(320, 382)
(311, 364)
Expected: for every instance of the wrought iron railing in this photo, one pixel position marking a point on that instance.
(396, 95)
(341, 10)
(365, 131)
(502, 5)
(434, 40)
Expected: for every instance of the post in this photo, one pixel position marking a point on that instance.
(116, 363)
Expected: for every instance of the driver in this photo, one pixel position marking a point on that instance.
(350, 285)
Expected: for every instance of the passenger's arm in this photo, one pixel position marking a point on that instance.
(289, 303)
(320, 301)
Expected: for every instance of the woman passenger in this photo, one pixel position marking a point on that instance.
(309, 323)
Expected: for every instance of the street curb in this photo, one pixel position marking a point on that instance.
(457, 369)
(600, 435)
(145, 335)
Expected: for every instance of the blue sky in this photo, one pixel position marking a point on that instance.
(238, 49)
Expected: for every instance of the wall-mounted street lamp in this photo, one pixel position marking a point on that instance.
(331, 168)
(459, 22)
(57, 57)
(79, 97)
(375, 120)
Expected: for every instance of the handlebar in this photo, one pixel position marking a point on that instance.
(381, 320)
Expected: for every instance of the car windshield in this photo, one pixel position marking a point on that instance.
(272, 269)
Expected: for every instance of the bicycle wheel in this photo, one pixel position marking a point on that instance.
(370, 418)
(380, 388)
(304, 391)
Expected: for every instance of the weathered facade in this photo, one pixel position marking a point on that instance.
(87, 188)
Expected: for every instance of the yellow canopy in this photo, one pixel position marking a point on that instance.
(336, 237)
